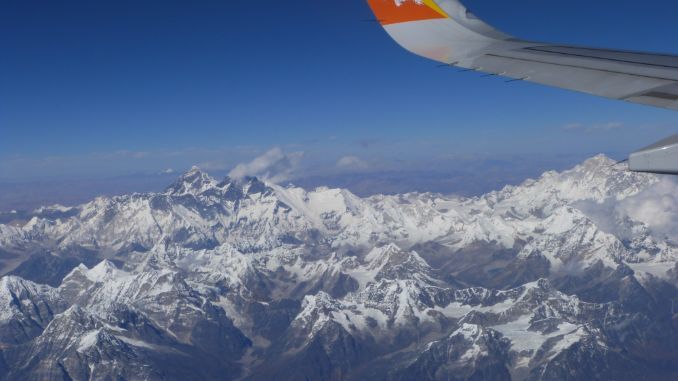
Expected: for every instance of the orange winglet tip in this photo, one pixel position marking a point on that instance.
(389, 12)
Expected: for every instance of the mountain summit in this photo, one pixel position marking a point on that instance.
(559, 278)
(192, 182)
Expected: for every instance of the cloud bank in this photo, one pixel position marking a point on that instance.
(657, 207)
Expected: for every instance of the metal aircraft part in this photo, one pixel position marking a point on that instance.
(660, 157)
(445, 31)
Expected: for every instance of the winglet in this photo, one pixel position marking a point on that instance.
(399, 11)
(442, 30)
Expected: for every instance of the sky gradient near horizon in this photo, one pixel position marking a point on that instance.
(117, 87)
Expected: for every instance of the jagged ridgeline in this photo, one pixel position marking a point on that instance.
(561, 278)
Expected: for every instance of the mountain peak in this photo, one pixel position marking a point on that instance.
(102, 272)
(597, 162)
(194, 182)
(14, 284)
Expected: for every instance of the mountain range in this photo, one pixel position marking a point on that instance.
(571, 276)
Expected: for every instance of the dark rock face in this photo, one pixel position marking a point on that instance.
(244, 280)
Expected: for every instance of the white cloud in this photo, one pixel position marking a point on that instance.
(351, 162)
(274, 166)
(657, 207)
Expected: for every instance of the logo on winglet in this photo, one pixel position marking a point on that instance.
(400, 11)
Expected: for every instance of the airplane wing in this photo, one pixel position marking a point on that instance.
(445, 31)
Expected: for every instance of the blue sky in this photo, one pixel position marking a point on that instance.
(117, 87)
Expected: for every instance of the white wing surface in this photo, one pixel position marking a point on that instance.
(445, 31)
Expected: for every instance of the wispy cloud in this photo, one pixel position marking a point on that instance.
(274, 166)
(351, 162)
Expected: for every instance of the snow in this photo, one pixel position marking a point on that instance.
(521, 338)
(526, 342)
(455, 310)
(103, 272)
(568, 340)
(386, 303)
(470, 332)
(541, 208)
(88, 340)
(375, 260)
(356, 319)
(135, 342)
(14, 290)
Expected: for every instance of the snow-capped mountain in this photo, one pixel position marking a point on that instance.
(559, 278)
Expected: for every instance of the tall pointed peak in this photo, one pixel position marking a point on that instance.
(597, 161)
(105, 269)
(194, 170)
(194, 182)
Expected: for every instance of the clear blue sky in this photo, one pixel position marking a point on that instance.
(111, 87)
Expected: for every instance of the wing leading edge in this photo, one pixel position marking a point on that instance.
(445, 31)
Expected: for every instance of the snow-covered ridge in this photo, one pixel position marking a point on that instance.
(198, 210)
(16, 294)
